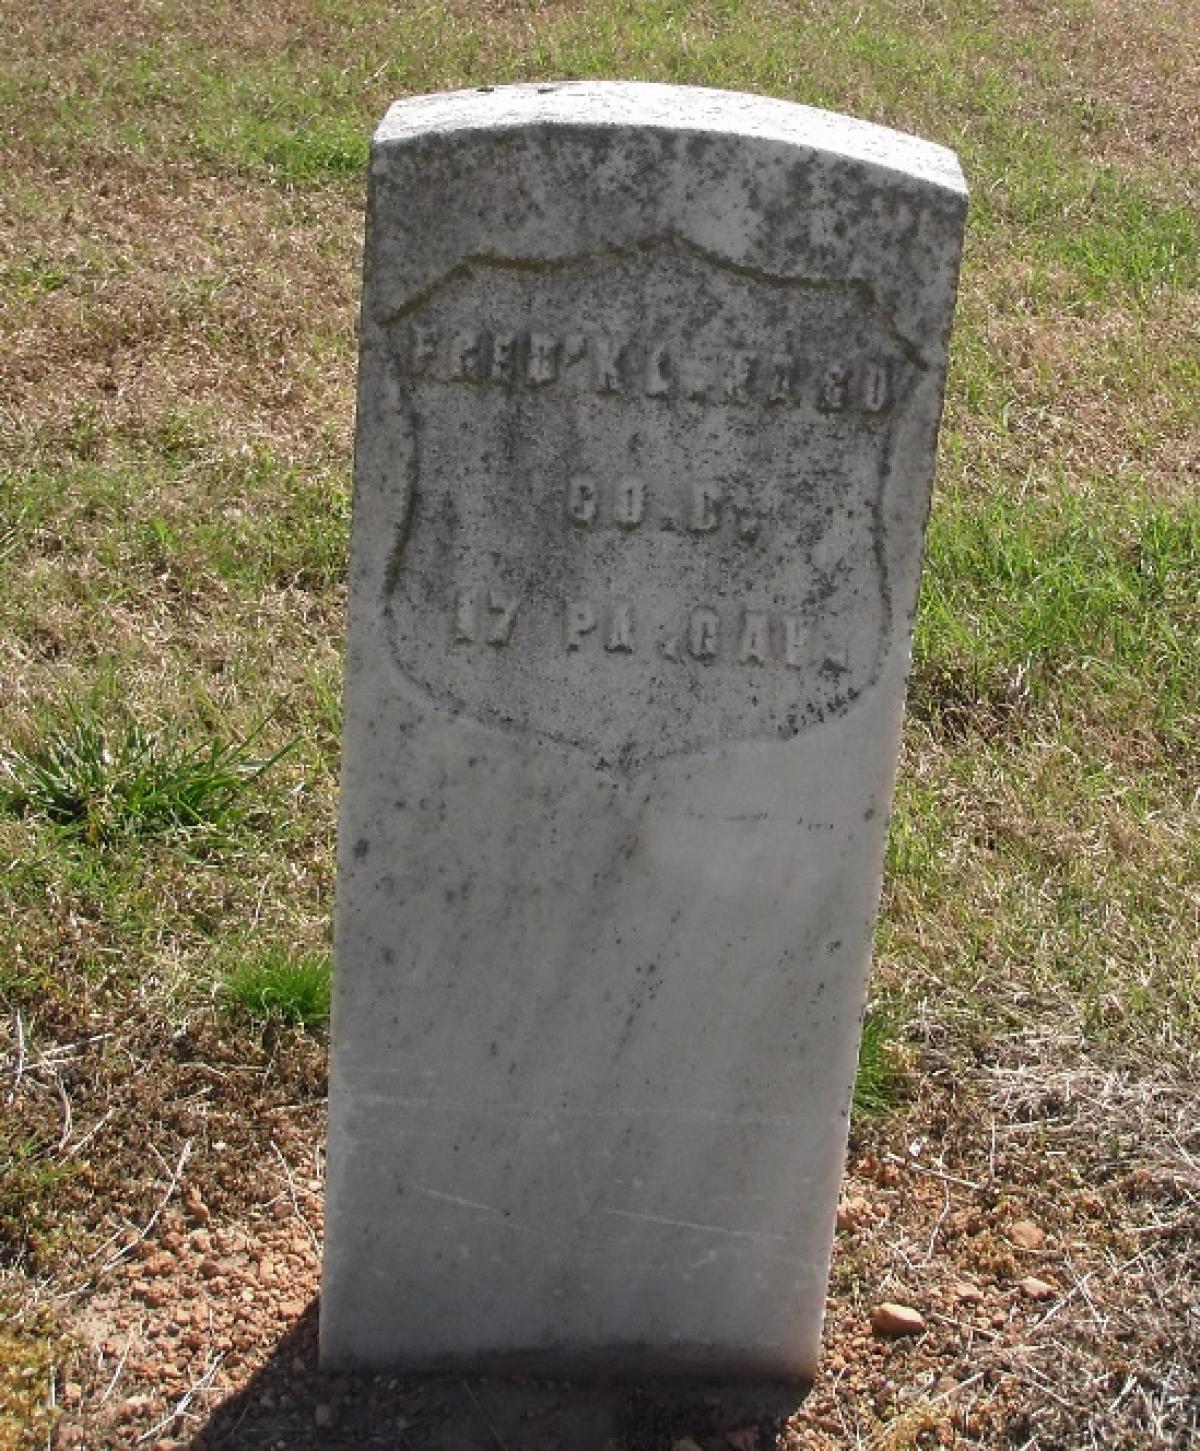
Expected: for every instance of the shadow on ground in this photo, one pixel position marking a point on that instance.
(292, 1405)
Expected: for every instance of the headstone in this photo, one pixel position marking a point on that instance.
(650, 386)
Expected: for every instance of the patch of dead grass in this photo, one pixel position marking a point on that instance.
(1141, 60)
(182, 292)
(1099, 393)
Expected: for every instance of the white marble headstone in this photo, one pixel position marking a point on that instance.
(649, 393)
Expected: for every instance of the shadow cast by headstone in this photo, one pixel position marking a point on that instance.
(291, 1404)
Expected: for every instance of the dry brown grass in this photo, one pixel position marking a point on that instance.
(183, 293)
(1100, 395)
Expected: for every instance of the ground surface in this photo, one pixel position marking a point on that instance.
(1037, 1290)
(179, 235)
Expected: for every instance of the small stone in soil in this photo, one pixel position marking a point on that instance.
(893, 1319)
(852, 1213)
(1034, 1289)
(1027, 1235)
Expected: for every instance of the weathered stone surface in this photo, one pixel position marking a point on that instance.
(649, 392)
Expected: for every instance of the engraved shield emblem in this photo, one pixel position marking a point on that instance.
(644, 500)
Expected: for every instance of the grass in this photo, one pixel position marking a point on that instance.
(276, 986)
(880, 1081)
(113, 782)
(178, 289)
(1067, 607)
(28, 1191)
(27, 1354)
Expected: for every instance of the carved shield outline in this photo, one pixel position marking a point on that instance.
(634, 756)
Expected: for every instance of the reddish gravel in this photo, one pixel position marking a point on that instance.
(205, 1337)
(1009, 1271)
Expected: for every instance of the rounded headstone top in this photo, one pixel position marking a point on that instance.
(684, 109)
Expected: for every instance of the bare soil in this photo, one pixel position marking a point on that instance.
(1047, 1247)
